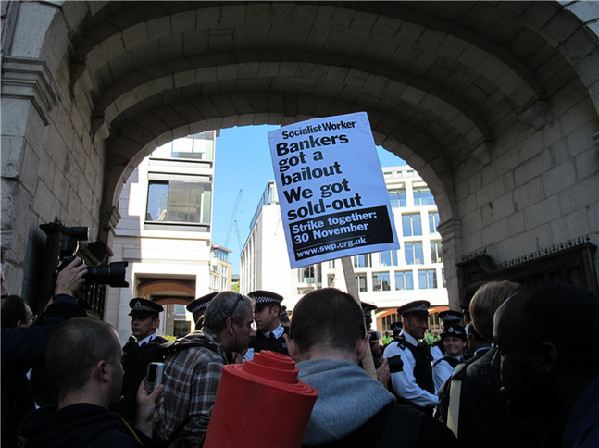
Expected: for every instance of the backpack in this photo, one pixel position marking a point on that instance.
(161, 351)
(411, 421)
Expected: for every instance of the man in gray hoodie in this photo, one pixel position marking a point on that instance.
(327, 340)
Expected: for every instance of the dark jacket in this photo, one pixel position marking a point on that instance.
(26, 347)
(484, 419)
(76, 426)
(261, 342)
(135, 360)
(22, 350)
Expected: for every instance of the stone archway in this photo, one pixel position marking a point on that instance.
(495, 104)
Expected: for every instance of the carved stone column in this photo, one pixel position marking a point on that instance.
(451, 234)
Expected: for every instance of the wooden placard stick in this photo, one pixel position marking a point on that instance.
(352, 288)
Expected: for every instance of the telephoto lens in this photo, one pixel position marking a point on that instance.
(112, 274)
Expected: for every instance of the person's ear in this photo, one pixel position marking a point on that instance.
(230, 325)
(291, 346)
(362, 348)
(102, 370)
(547, 357)
(155, 323)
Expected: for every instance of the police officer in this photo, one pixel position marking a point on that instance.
(269, 331)
(198, 308)
(141, 349)
(449, 317)
(454, 342)
(414, 384)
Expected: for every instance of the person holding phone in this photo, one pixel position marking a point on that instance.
(84, 359)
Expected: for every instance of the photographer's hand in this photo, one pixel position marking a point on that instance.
(147, 408)
(383, 374)
(70, 279)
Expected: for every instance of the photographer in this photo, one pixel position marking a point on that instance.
(23, 348)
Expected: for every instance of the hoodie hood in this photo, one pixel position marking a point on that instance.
(343, 388)
(73, 426)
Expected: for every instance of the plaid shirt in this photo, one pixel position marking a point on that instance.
(192, 378)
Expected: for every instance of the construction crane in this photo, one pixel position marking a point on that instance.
(233, 221)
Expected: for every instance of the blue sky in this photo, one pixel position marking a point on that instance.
(242, 161)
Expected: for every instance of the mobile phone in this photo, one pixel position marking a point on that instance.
(154, 376)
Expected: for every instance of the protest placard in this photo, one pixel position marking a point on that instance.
(331, 189)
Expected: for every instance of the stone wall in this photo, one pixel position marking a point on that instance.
(51, 168)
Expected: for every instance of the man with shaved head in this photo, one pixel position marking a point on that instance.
(83, 357)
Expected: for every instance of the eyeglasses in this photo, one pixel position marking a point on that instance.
(239, 299)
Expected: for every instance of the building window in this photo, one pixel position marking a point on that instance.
(435, 323)
(331, 264)
(361, 282)
(389, 320)
(197, 146)
(179, 309)
(380, 281)
(362, 261)
(330, 279)
(179, 202)
(221, 255)
(404, 280)
(427, 279)
(436, 252)
(309, 274)
(389, 258)
(423, 196)
(397, 198)
(411, 224)
(414, 254)
(181, 328)
(433, 219)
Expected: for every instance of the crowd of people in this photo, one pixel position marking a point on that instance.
(520, 373)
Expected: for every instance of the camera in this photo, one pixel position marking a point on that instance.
(395, 363)
(155, 374)
(374, 335)
(112, 274)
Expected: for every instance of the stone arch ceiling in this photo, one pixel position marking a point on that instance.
(439, 80)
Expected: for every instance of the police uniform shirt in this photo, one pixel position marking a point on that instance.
(404, 382)
(442, 370)
(278, 334)
(436, 353)
(147, 339)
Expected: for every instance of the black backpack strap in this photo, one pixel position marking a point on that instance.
(450, 360)
(402, 428)
(180, 344)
